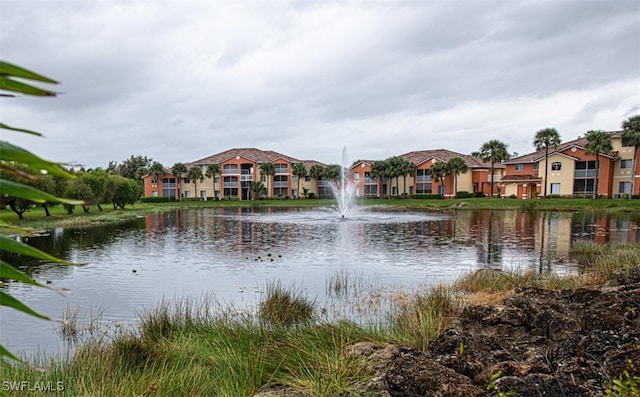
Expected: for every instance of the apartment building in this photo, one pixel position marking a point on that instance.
(476, 179)
(238, 169)
(571, 171)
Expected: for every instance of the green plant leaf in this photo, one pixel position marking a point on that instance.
(11, 273)
(14, 153)
(7, 127)
(8, 84)
(10, 301)
(12, 245)
(9, 69)
(6, 353)
(14, 189)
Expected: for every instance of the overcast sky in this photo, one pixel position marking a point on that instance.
(181, 80)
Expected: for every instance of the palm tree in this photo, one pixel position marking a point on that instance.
(456, 167)
(300, 171)
(408, 168)
(395, 170)
(597, 142)
(631, 137)
(213, 170)
(378, 171)
(316, 171)
(545, 139)
(257, 190)
(178, 170)
(438, 171)
(194, 174)
(267, 170)
(493, 151)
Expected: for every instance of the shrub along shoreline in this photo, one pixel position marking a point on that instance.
(199, 346)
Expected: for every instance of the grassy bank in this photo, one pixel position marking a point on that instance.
(35, 218)
(200, 347)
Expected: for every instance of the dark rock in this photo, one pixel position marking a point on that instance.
(542, 342)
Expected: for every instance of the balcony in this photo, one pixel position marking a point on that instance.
(246, 178)
(370, 181)
(585, 174)
(423, 178)
(281, 184)
(231, 184)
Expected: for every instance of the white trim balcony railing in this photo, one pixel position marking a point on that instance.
(246, 178)
(584, 174)
(280, 184)
(423, 178)
(370, 181)
(231, 184)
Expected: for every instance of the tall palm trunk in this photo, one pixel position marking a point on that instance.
(595, 186)
(546, 169)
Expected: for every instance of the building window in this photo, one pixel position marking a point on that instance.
(624, 188)
(202, 180)
(153, 181)
(556, 166)
(626, 163)
(555, 188)
(281, 168)
(583, 186)
(187, 193)
(307, 178)
(230, 169)
(536, 166)
(519, 167)
(203, 194)
(216, 179)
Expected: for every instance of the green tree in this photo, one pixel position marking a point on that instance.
(545, 139)
(178, 170)
(438, 171)
(597, 142)
(267, 170)
(456, 167)
(493, 151)
(257, 190)
(157, 170)
(122, 191)
(211, 172)
(631, 137)
(317, 171)
(97, 180)
(300, 171)
(377, 171)
(194, 174)
(81, 190)
(17, 79)
(332, 172)
(133, 168)
(407, 168)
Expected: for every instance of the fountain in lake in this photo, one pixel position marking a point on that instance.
(344, 189)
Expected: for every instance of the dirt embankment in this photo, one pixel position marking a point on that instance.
(544, 343)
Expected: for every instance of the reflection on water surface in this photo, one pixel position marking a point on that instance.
(234, 252)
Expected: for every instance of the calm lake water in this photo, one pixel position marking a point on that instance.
(234, 253)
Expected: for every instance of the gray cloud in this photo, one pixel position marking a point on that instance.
(178, 81)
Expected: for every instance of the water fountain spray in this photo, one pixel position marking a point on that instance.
(344, 189)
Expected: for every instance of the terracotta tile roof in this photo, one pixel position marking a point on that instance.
(520, 178)
(309, 163)
(539, 155)
(420, 156)
(253, 154)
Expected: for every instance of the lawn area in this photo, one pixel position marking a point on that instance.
(35, 219)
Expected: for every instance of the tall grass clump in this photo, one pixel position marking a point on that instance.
(285, 305)
(420, 317)
(608, 263)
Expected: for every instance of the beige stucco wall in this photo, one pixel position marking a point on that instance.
(564, 177)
